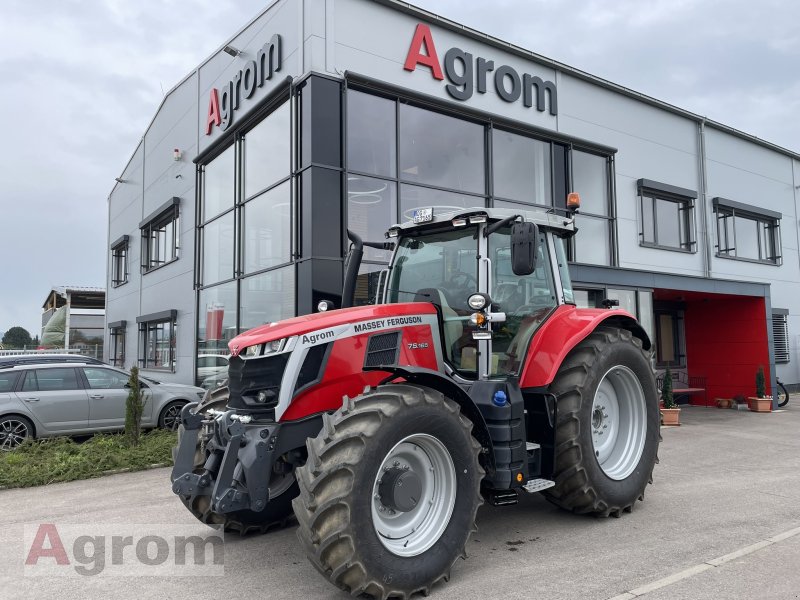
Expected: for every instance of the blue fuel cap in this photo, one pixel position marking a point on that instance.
(500, 398)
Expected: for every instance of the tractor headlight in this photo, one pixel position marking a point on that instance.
(266, 349)
(477, 301)
(274, 346)
(252, 351)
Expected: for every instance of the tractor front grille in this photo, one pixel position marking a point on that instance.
(246, 378)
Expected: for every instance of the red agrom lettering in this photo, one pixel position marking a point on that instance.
(213, 111)
(423, 37)
(47, 531)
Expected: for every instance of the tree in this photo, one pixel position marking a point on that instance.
(134, 408)
(17, 337)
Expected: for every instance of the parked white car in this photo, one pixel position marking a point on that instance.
(44, 400)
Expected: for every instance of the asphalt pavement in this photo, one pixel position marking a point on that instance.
(721, 521)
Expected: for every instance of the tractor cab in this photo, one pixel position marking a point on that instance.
(494, 275)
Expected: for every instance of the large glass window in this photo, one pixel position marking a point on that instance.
(267, 229)
(590, 179)
(160, 240)
(746, 235)
(157, 344)
(246, 230)
(218, 185)
(216, 326)
(414, 196)
(440, 150)
(218, 255)
(521, 168)
(267, 152)
(442, 164)
(371, 134)
(267, 297)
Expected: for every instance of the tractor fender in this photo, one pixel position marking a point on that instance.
(566, 327)
(441, 383)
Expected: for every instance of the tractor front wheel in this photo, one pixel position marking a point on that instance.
(389, 492)
(607, 432)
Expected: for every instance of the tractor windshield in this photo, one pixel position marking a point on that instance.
(441, 268)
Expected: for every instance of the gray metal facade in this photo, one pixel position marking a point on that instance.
(371, 39)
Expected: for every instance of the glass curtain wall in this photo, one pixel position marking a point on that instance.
(246, 275)
(401, 156)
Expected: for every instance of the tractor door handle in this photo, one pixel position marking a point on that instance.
(96, 396)
(31, 399)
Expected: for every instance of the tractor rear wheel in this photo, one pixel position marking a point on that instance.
(389, 492)
(607, 432)
(276, 514)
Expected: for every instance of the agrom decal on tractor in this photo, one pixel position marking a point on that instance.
(382, 428)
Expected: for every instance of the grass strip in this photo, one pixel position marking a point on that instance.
(39, 462)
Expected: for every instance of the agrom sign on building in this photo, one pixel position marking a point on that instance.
(467, 74)
(222, 105)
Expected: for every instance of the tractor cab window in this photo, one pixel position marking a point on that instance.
(526, 301)
(442, 268)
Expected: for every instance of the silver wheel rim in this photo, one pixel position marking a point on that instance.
(12, 433)
(413, 532)
(172, 416)
(618, 420)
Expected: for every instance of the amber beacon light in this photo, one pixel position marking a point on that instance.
(573, 201)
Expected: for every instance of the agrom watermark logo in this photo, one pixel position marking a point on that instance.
(122, 550)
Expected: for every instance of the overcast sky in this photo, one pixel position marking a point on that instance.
(81, 79)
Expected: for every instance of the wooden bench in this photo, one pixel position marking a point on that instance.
(683, 385)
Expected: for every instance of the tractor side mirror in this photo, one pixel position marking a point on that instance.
(523, 247)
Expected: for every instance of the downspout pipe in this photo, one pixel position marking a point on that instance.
(704, 199)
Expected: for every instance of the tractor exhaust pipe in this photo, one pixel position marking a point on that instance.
(352, 263)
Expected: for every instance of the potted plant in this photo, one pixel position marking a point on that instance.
(670, 414)
(761, 402)
(725, 402)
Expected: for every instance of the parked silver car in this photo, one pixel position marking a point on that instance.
(45, 400)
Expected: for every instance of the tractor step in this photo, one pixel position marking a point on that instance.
(501, 497)
(538, 485)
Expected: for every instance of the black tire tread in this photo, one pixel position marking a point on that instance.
(573, 490)
(326, 485)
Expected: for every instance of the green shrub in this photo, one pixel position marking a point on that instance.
(760, 383)
(39, 462)
(666, 390)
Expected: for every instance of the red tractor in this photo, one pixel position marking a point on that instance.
(382, 427)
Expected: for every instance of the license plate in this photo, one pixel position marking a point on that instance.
(422, 215)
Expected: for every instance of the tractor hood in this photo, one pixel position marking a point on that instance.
(324, 320)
